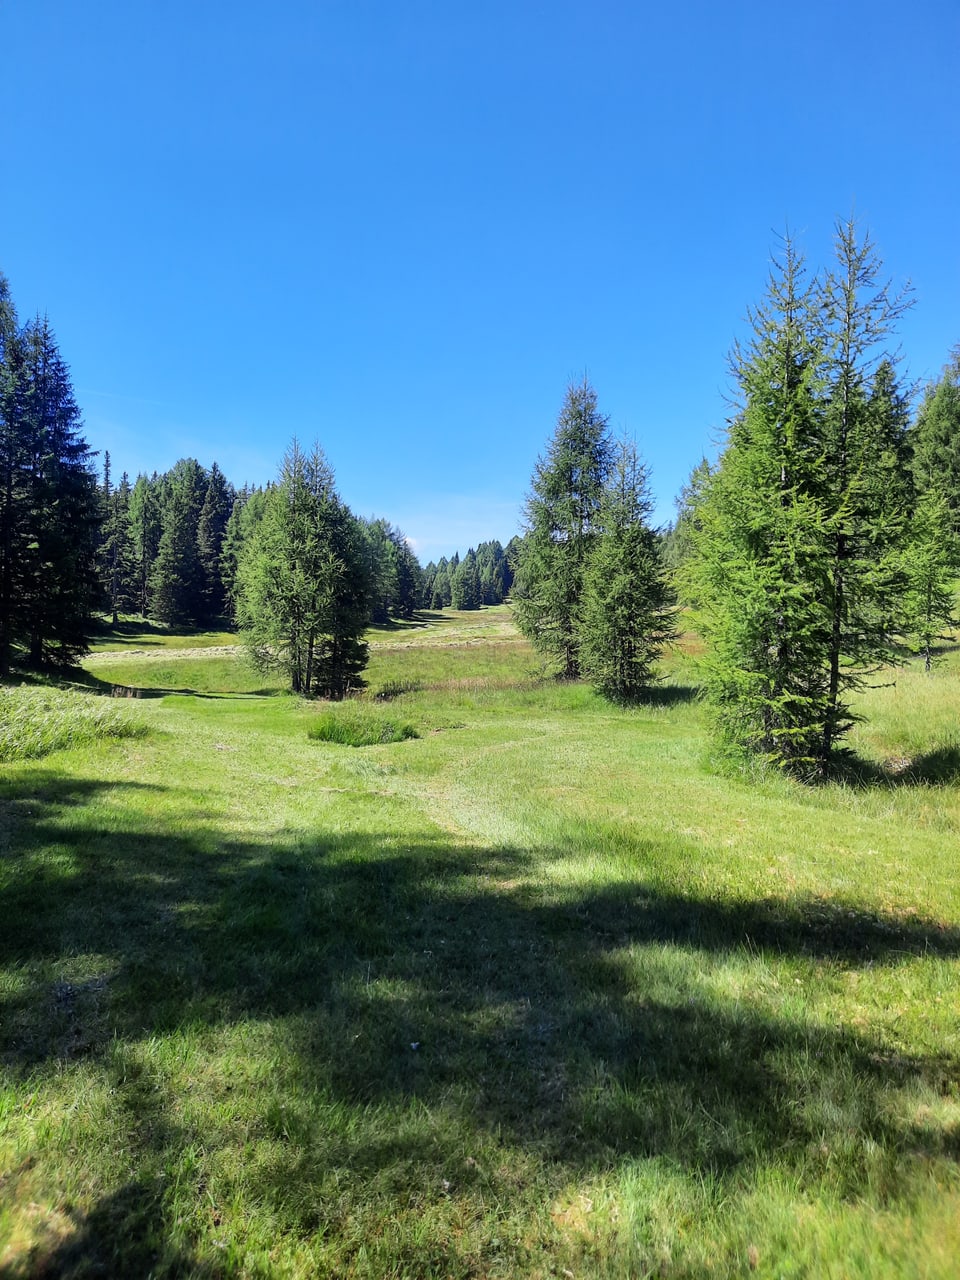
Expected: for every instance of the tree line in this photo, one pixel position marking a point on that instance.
(820, 544)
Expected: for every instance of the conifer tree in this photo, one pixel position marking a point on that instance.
(176, 580)
(145, 529)
(929, 564)
(465, 583)
(58, 580)
(116, 555)
(302, 583)
(935, 439)
(626, 613)
(245, 516)
(561, 518)
(211, 529)
(14, 476)
(799, 531)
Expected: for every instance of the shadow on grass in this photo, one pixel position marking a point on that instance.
(582, 1027)
(940, 767)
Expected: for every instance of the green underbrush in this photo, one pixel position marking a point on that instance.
(540, 996)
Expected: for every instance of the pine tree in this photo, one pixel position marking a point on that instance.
(302, 583)
(561, 518)
(627, 612)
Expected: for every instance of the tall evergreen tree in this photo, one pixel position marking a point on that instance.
(247, 512)
(626, 613)
(211, 530)
(866, 471)
(145, 530)
(116, 554)
(177, 581)
(561, 518)
(798, 532)
(58, 578)
(929, 564)
(302, 582)
(14, 481)
(465, 583)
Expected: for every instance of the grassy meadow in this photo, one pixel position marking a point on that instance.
(535, 992)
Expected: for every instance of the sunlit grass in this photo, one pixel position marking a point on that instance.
(37, 721)
(534, 992)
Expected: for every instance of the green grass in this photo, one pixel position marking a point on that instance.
(34, 722)
(357, 725)
(533, 993)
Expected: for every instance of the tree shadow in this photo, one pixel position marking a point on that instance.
(583, 1026)
(938, 767)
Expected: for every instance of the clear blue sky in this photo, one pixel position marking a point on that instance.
(401, 227)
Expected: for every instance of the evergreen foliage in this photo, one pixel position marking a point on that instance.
(177, 585)
(935, 438)
(465, 583)
(211, 530)
(49, 503)
(930, 563)
(562, 522)
(626, 613)
(799, 533)
(302, 582)
(117, 559)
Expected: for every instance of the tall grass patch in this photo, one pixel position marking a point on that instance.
(356, 724)
(35, 722)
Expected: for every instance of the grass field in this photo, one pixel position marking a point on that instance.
(534, 993)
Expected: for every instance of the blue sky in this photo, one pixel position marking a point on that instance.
(401, 227)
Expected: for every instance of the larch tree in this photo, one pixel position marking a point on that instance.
(799, 532)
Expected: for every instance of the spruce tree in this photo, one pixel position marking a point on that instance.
(14, 478)
(177, 580)
(561, 525)
(116, 555)
(465, 583)
(626, 613)
(145, 529)
(211, 530)
(58, 579)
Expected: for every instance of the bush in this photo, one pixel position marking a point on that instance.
(359, 726)
(34, 722)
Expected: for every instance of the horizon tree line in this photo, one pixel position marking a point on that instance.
(823, 541)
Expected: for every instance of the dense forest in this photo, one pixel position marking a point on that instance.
(820, 545)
